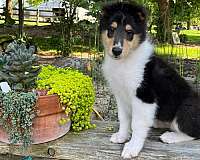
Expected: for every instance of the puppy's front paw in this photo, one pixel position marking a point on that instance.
(130, 151)
(119, 138)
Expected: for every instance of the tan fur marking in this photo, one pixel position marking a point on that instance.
(128, 27)
(142, 18)
(125, 48)
(127, 45)
(130, 45)
(107, 42)
(135, 42)
(114, 24)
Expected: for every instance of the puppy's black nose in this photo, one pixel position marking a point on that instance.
(116, 51)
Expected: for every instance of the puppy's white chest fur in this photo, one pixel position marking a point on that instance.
(125, 75)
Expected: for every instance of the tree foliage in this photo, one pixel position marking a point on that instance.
(67, 23)
(185, 9)
(35, 2)
(177, 11)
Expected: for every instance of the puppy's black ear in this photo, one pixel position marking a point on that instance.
(106, 11)
(136, 10)
(141, 14)
(104, 17)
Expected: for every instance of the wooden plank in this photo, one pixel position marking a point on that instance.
(94, 145)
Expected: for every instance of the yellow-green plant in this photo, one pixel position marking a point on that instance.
(76, 93)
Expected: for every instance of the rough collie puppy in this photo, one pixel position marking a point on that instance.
(148, 92)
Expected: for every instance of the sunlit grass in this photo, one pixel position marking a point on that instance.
(192, 35)
(1, 21)
(180, 51)
(26, 23)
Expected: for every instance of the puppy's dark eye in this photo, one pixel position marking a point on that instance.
(130, 34)
(111, 31)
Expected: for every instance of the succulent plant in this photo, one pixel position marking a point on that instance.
(17, 113)
(2, 61)
(17, 66)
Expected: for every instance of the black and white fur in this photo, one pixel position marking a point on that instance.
(148, 92)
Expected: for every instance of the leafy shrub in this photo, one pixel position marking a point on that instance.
(47, 43)
(17, 110)
(75, 90)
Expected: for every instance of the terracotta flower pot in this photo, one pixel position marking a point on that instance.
(45, 125)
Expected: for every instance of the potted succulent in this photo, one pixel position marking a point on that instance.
(44, 111)
(17, 66)
(17, 106)
(17, 111)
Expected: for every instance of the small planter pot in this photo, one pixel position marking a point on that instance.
(45, 125)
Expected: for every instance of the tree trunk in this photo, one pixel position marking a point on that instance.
(188, 24)
(67, 24)
(9, 12)
(21, 18)
(164, 29)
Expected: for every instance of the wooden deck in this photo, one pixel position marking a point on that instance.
(94, 145)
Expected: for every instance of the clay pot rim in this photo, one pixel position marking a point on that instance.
(45, 95)
(51, 95)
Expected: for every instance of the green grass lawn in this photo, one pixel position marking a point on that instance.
(29, 23)
(179, 51)
(192, 35)
(34, 23)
